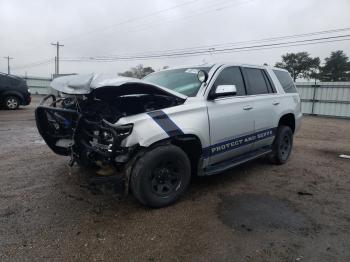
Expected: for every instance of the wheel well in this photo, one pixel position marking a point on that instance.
(288, 120)
(3, 96)
(190, 144)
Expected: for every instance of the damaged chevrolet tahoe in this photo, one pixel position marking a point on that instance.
(154, 134)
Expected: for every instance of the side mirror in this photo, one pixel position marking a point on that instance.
(224, 90)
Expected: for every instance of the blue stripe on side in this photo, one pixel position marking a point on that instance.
(237, 142)
(165, 123)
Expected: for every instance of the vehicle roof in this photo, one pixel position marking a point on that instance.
(218, 64)
(11, 76)
(186, 66)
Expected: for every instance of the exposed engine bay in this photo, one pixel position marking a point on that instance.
(84, 126)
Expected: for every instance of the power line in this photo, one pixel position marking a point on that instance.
(263, 40)
(8, 63)
(288, 45)
(239, 48)
(34, 64)
(201, 52)
(224, 52)
(205, 49)
(210, 47)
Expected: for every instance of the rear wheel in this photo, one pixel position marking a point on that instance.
(161, 176)
(11, 102)
(282, 146)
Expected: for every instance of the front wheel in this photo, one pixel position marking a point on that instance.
(282, 146)
(161, 176)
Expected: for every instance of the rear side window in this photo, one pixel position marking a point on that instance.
(286, 81)
(8, 81)
(256, 81)
(231, 76)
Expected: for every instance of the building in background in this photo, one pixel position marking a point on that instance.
(38, 85)
(41, 85)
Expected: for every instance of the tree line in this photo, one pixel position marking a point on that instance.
(300, 65)
(138, 72)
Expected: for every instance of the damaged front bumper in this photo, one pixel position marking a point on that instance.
(89, 142)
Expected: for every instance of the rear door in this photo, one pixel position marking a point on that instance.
(231, 118)
(266, 105)
(3, 83)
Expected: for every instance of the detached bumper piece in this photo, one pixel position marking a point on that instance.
(57, 127)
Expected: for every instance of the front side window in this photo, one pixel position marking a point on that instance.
(231, 76)
(182, 80)
(256, 81)
(286, 81)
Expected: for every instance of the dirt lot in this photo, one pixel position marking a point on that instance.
(257, 212)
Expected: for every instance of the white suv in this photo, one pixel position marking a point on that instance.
(154, 134)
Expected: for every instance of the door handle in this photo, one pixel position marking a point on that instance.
(275, 103)
(248, 107)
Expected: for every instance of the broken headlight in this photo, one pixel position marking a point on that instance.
(121, 131)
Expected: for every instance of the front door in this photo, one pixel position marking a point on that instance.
(231, 118)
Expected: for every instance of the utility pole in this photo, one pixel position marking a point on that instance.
(8, 63)
(57, 71)
(55, 65)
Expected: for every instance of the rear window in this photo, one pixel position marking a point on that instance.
(286, 81)
(257, 83)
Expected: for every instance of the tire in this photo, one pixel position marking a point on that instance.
(11, 102)
(160, 176)
(282, 146)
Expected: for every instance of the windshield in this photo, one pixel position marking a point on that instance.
(182, 80)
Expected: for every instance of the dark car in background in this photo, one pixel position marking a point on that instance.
(13, 92)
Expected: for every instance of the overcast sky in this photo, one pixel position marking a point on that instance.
(107, 27)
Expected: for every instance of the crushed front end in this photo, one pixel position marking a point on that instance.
(85, 131)
(83, 124)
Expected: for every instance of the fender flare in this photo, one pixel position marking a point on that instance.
(12, 93)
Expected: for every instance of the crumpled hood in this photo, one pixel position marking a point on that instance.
(85, 84)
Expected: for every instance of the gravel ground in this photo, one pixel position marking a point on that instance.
(257, 212)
